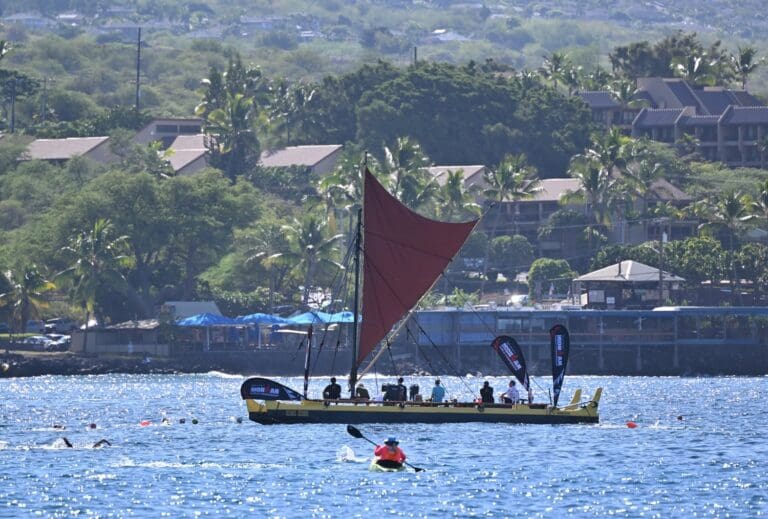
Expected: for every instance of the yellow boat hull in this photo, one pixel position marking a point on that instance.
(351, 412)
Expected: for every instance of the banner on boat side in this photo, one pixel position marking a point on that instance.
(512, 355)
(265, 389)
(560, 344)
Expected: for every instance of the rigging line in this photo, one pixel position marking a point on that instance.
(461, 377)
(343, 280)
(301, 343)
(392, 359)
(408, 311)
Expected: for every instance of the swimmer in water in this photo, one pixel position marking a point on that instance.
(66, 442)
(101, 443)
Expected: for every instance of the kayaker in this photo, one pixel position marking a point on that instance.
(332, 391)
(486, 393)
(511, 395)
(438, 392)
(390, 451)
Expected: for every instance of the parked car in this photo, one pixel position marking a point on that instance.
(58, 342)
(60, 325)
(35, 327)
(36, 342)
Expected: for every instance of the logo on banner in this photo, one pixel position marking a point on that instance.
(559, 350)
(511, 355)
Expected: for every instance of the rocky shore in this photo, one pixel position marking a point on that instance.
(38, 364)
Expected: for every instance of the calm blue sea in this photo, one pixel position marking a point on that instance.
(712, 463)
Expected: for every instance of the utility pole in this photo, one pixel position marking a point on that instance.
(138, 75)
(44, 107)
(662, 240)
(13, 104)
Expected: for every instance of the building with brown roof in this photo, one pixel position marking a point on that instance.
(188, 154)
(726, 125)
(61, 150)
(319, 159)
(167, 129)
(627, 284)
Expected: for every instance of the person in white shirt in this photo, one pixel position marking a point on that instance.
(511, 395)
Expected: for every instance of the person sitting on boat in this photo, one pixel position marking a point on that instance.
(389, 452)
(396, 393)
(511, 395)
(332, 391)
(361, 393)
(486, 393)
(402, 390)
(438, 392)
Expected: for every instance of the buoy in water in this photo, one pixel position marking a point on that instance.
(631, 424)
(145, 423)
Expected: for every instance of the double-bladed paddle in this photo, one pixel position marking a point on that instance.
(354, 431)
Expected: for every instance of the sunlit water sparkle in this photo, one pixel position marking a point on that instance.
(712, 463)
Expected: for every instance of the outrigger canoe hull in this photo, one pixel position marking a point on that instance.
(272, 412)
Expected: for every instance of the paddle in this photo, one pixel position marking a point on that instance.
(354, 431)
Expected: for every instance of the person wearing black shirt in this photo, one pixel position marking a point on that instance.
(486, 393)
(332, 391)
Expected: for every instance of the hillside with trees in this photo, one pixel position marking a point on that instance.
(80, 238)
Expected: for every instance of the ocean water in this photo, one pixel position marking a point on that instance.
(710, 463)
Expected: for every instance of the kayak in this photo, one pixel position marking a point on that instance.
(385, 466)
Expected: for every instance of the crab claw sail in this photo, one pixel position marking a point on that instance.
(403, 254)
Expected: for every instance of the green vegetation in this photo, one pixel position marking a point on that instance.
(117, 240)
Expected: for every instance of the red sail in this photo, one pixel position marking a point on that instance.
(403, 254)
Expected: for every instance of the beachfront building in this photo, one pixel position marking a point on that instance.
(723, 125)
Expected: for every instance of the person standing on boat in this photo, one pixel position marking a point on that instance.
(486, 393)
(438, 392)
(389, 451)
(332, 391)
(511, 395)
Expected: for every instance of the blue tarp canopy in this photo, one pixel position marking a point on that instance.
(342, 317)
(259, 318)
(206, 320)
(321, 317)
(309, 318)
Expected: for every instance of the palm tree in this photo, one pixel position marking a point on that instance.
(572, 78)
(729, 211)
(406, 175)
(309, 250)
(594, 191)
(26, 296)
(231, 138)
(598, 79)
(99, 260)
(626, 94)
(292, 109)
(513, 179)
(554, 66)
(697, 70)
(744, 64)
(264, 247)
(455, 201)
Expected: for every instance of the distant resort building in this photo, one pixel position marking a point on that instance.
(726, 125)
